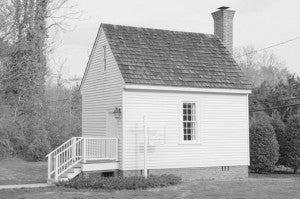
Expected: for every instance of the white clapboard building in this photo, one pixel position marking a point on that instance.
(158, 102)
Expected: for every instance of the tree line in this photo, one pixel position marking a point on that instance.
(35, 115)
(274, 111)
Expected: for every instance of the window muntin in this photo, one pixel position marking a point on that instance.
(189, 121)
(104, 58)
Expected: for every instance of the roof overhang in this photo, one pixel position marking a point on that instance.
(186, 89)
(89, 60)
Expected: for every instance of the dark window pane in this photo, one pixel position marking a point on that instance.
(189, 131)
(188, 124)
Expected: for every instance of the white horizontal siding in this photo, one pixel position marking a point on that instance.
(222, 123)
(101, 91)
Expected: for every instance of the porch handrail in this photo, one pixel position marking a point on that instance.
(63, 158)
(53, 156)
(59, 147)
(56, 156)
(80, 149)
(68, 147)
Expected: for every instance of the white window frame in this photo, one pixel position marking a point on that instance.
(196, 134)
(104, 57)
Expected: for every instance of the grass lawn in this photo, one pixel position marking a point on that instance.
(256, 186)
(18, 171)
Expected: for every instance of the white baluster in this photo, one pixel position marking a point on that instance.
(117, 152)
(84, 150)
(56, 169)
(49, 166)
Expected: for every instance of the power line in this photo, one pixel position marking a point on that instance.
(272, 46)
(284, 100)
(283, 106)
(265, 109)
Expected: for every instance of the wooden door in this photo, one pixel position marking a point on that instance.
(111, 125)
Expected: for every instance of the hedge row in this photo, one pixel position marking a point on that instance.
(95, 181)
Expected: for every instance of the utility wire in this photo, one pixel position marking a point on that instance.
(265, 109)
(272, 46)
(284, 100)
(274, 101)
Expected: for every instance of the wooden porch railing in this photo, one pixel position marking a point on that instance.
(100, 149)
(80, 149)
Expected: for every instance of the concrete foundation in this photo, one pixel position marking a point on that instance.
(225, 172)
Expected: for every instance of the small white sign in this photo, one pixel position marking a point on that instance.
(156, 137)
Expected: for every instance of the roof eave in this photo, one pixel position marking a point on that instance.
(89, 60)
(186, 89)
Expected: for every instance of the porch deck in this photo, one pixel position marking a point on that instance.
(100, 165)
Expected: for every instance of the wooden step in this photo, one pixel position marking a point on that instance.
(63, 179)
(70, 173)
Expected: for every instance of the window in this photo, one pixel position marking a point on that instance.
(104, 58)
(189, 122)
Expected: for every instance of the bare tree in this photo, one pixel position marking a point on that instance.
(25, 28)
(261, 66)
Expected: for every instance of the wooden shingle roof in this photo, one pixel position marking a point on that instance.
(171, 58)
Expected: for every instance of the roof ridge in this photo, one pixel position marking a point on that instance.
(157, 29)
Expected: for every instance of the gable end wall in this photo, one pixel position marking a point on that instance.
(101, 91)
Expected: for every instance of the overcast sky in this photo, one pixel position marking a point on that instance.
(260, 23)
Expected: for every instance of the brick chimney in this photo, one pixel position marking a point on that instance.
(223, 26)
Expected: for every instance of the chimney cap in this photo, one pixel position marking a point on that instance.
(223, 8)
